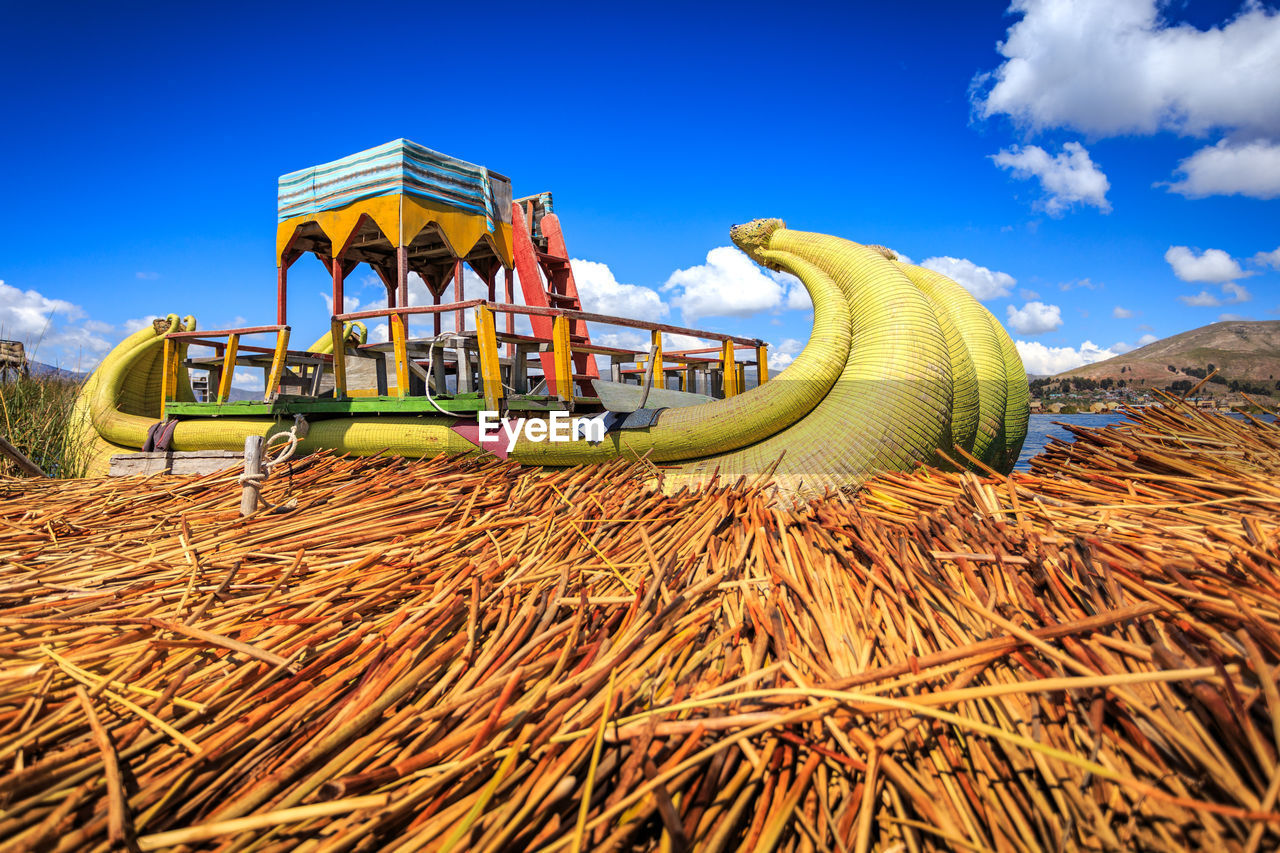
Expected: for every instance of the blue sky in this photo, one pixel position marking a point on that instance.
(1114, 173)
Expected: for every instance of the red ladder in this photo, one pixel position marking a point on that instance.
(540, 255)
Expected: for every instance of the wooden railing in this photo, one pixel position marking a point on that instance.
(563, 348)
(176, 343)
(654, 362)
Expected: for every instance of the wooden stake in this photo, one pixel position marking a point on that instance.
(22, 461)
(252, 467)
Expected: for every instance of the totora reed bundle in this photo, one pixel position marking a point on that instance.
(460, 654)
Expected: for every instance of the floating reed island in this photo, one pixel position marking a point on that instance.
(459, 653)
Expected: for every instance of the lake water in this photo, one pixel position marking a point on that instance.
(1042, 428)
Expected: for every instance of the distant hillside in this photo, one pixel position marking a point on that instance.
(40, 369)
(1245, 354)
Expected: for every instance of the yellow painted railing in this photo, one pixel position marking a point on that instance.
(655, 352)
(175, 348)
(563, 358)
(228, 373)
(729, 369)
(399, 345)
(562, 347)
(490, 366)
(277, 363)
(337, 333)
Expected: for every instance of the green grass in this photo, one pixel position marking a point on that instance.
(34, 416)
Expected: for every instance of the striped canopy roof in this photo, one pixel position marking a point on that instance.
(399, 167)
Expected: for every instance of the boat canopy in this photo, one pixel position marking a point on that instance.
(393, 193)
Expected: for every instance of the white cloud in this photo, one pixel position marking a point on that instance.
(473, 287)
(601, 293)
(782, 354)
(1120, 348)
(1084, 282)
(982, 282)
(1231, 168)
(247, 380)
(1235, 293)
(1121, 313)
(1068, 178)
(1110, 67)
(637, 340)
(147, 276)
(349, 303)
(1211, 265)
(53, 331)
(1047, 361)
(798, 298)
(1267, 259)
(1227, 317)
(1026, 294)
(1147, 339)
(1034, 318)
(729, 284)
(1203, 299)
(673, 343)
(632, 339)
(138, 323)
(1116, 67)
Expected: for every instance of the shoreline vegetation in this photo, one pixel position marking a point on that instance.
(34, 415)
(463, 654)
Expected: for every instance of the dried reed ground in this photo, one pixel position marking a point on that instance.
(454, 654)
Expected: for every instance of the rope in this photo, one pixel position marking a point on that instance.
(255, 481)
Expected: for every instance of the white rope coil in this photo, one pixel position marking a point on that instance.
(291, 438)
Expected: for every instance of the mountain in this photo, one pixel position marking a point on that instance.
(1245, 354)
(38, 368)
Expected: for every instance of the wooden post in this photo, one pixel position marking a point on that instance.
(402, 277)
(762, 364)
(655, 356)
(20, 458)
(228, 368)
(399, 347)
(490, 369)
(647, 382)
(337, 285)
(282, 293)
(277, 363)
(509, 296)
(339, 359)
(729, 369)
(458, 323)
(166, 364)
(252, 467)
(561, 383)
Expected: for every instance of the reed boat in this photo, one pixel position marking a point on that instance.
(903, 365)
